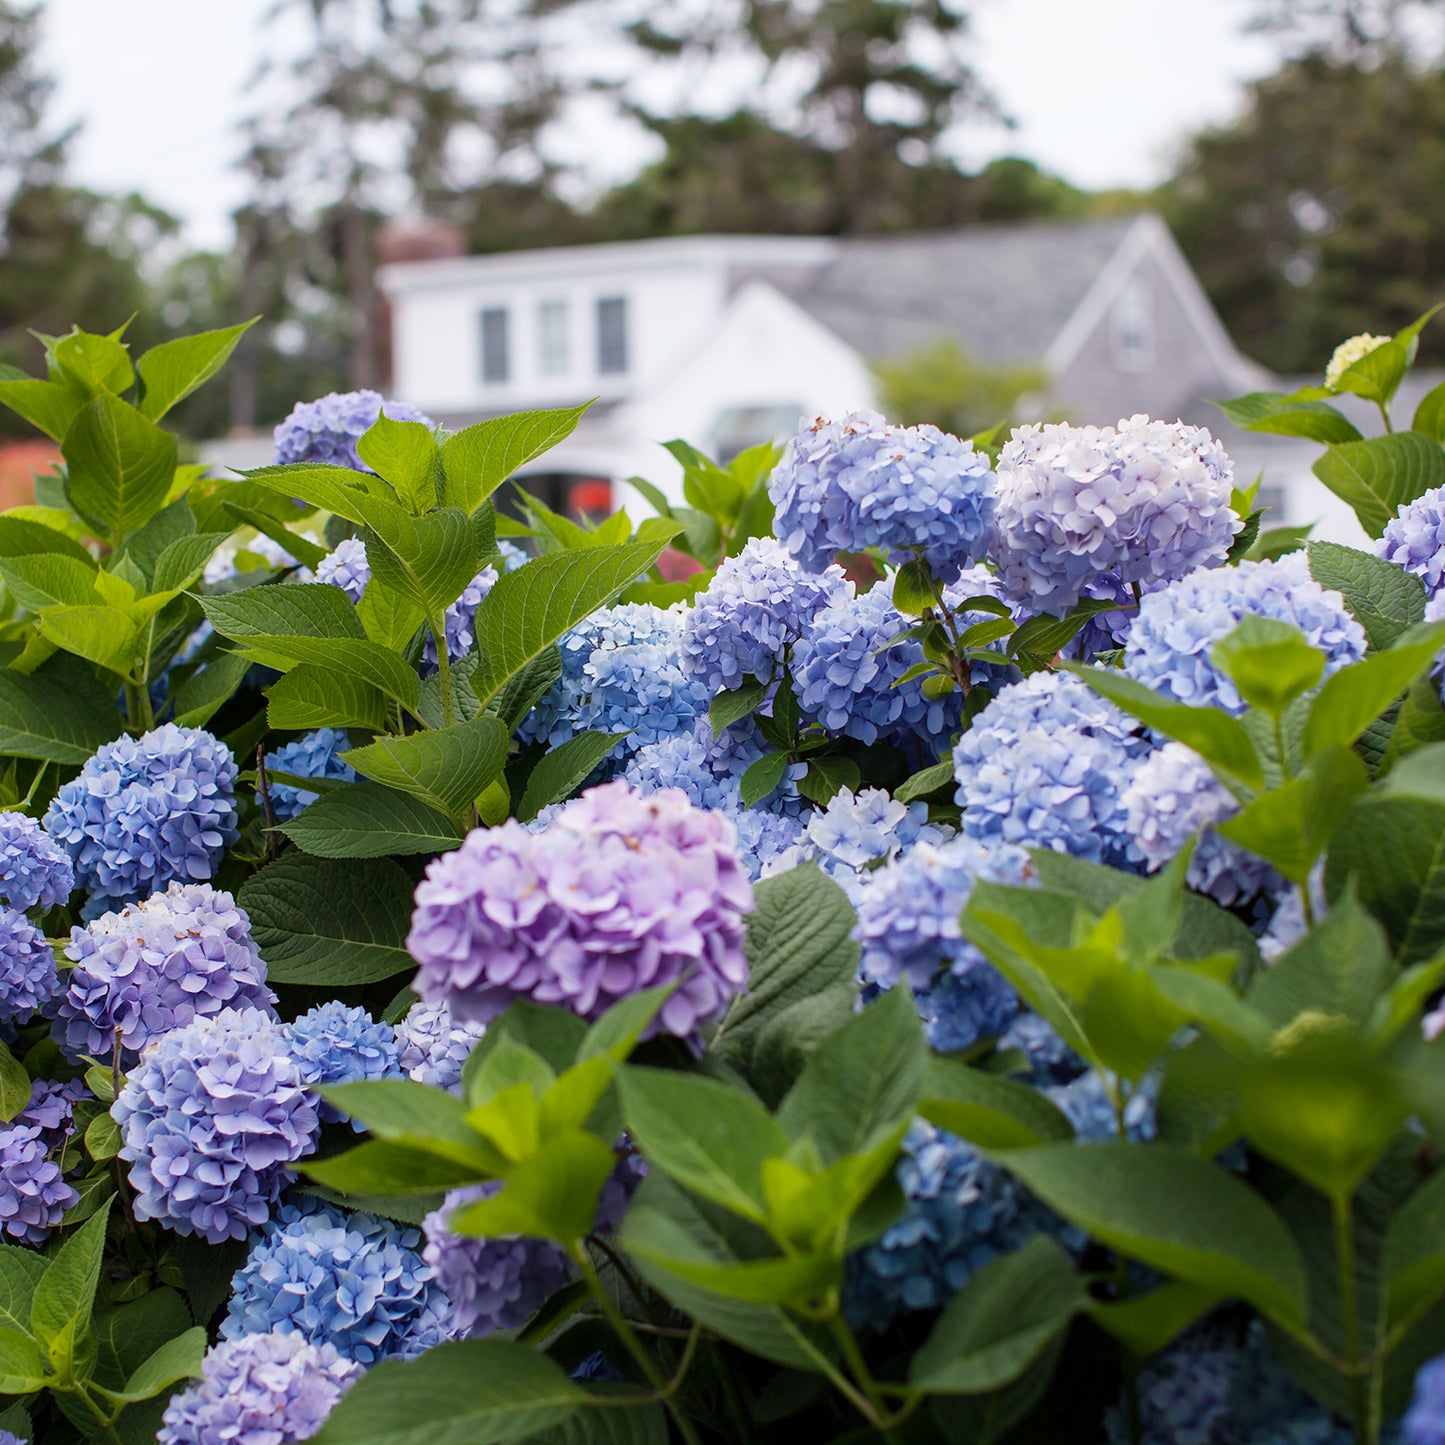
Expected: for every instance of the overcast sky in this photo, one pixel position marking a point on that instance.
(1103, 90)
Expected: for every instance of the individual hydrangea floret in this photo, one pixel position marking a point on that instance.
(1424, 1422)
(34, 872)
(843, 486)
(1045, 765)
(618, 893)
(334, 1044)
(211, 1121)
(1145, 501)
(271, 1389)
(342, 1278)
(33, 1192)
(327, 430)
(493, 1284)
(346, 567)
(1347, 353)
(1414, 538)
(741, 628)
(183, 954)
(433, 1045)
(28, 978)
(1170, 641)
(457, 623)
(317, 755)
(147, 811)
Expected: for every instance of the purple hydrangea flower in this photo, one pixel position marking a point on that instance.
(317, 755)
(28, 979)
(1049, 1059)
(211, 1120)
(1287, 924)
(1045, 765)
(617, 1193)
(146, 811)
(1424, 1421)
(1085, 1103)
(346, 567)
(33, 1192)
(334, 1044)
(1143, 502)
(493, 1284)
(328, 429)
(433, 1046)
(7, 1438)
(457, 623)
(183, 954)
(1414, 538)
(618, 893)
(34, 873)
(911, 491)
(269, 1389)
(743, 625)
(330, 1276)
(1169, 643)
(52, 1110)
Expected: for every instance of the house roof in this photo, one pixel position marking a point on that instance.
(1005, 290)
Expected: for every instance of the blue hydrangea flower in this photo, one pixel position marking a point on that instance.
(1170, 641)
(743, 625)
(433, 1046)
(1085, 1103)
(844, 670)
(317, 755)
(334, 1044)
(183, 954)
(33, 1192)
(34, 873)
(1286, 925)
(52, 1110)
(1424, 1421)
(493, 1284)
(911, 491)
(624, 1181)
(1045, 765)
(962, 1211)
(327, 430)
(336, 1277)
(1414, 538)
(346, 567)
(211, 1120)
(28, 979)
(457, 623)
(270, 1389)
(7, 1438)
(857, 830)
(146, 811)
(1143, 502)
(1049, 1060)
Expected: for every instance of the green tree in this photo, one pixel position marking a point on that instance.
(945, 386)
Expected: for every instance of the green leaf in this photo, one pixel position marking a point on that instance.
(203, 693)
(1269, 661)
(310, 697)
(171, 371)
(383, 1168)
(1269, 411)
(293, 609)
(181, 563)
(20, 538)
(22, 1371)
(43, 404)
(529, 609)
(50, 579)
(102, 1138)
(1148, 1322)
(465, 1392)
(58, 714)
(562, 770)
(368, 663)
(1043, 636)
(928, 780)
(730, 707)
(1276, 542)
(915, 591)
(1355, 696)
(405, 453)
(551, 1194)
(429, 560)
(1164, 1206)
(1384, 599)
(827, 777)
(330, 923)
(90, 364)
(366, 820)
(1415, 1251)
(119, 466)
(14, 1085)
(1429, 415)
(1377, 475)
(988, 1109)
(102, 635)
(638, 1424)
(303, 549)
(762, 777)
(446, 767)
(20, 1271)
(177, 1359)
(60, 1311)
(526, 688)
(477, 460)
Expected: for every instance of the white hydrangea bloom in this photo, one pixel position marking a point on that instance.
(1347, 353)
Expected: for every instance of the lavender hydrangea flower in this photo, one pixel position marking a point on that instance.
(457, 623)
(1085, 1103)
(269, 1389)
(624, 1182)
(847, 485)
(7, 1438)
(858, 830)
(316, 755)
(1170, 641)
(1048, 1058)
(34, 872)
(52, 1110)
(211, 1120)
(334, 1044)
(1045, 765)
(28, 979)
(493, 1284)
(1414, 538)
(327, 430)
(1424, 1421)
(146, 811)
(1143, 502)
(33, 1192)
(618, 893)
(348, 1279)
(346, 567)
(743, 625)
(183, 954)
(433, 1046)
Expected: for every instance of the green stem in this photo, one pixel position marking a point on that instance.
(444, 671)
(1385, 415)
(858, 1366)
(106, 1422)
(1350, 1310)
(138, 713)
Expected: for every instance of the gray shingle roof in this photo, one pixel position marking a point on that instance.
(1005, 291)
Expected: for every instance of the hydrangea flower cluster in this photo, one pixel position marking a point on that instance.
(618, 893)
(334, 1044)
(1347, 353)
(844, 486)
(33, 1191)
(346, 567)
(34, 872)
(457, 623)
(1045, 765)
(316, 755)
(147, 811)
(1424, 1421)
(28, 980)
(345, 1279)
(1414, 538)
(327, 430)
(1170, 641)
(52, 1110)
(1085, 1103)
(269, 1389)
(1144, 502)
(181, 955)
(211, 1120)
(742, 627)
(433, 1046)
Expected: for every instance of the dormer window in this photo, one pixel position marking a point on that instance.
(496, 368)
(1131, 321)
(611, 335)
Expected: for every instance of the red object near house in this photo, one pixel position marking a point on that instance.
(19, 462)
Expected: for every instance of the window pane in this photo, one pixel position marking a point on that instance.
(612, 334)
(494, 345)
(552, 349)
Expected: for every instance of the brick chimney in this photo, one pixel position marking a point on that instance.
(412, 238)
